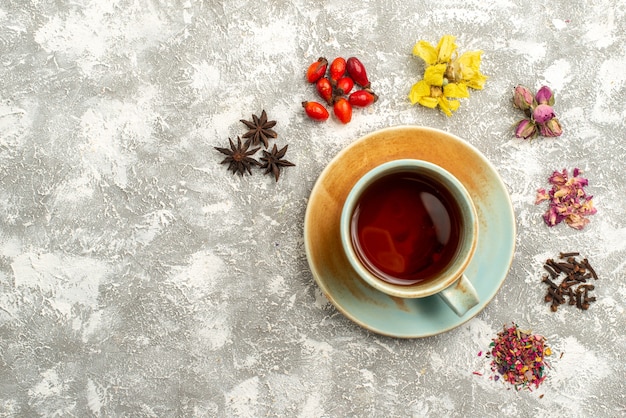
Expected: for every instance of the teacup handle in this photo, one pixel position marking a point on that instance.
(460, 296)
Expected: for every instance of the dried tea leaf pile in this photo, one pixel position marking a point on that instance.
(519, 357)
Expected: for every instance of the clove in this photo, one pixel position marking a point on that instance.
(552, 273)
(573, 275)
(591, 270)
(556, 295)
(550, 282)
(572, 296)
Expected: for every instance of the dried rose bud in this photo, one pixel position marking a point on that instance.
(538, 108)
(522, 98)
(526, 129)
(543, 113)
(545, 96)
(551, 128)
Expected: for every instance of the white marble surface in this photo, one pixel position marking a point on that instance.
(139, 278)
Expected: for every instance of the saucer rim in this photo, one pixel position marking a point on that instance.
(505, 199)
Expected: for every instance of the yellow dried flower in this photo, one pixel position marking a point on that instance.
(447, 75)
(466, 69)
(431, 95)
(436, 55)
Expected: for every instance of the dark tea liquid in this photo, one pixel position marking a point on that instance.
(405, 228)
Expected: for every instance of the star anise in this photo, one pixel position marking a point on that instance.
(260, 129)
(273, 161)
(238, 157)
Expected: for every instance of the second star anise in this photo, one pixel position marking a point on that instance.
(260, 129)
(273, 161)
(239, 157)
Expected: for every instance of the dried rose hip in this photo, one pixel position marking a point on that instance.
(362, 98)
(325, 89)
(343, 110)
(356, 70)
(335, 84)
(316, 70)
(344, 85)
(337, 68)
(315, 111)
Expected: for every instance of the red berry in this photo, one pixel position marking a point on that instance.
(343, 110)
(344, 85)
(325, 89)
(316, 70)
(356, 70)
(362, 98)
(315, 110)
(337, 68)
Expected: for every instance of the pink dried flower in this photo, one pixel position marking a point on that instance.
(539, 110)
(543, 113)
(551, 128)
(576, 221)
(567, 200)
(552, 217)
(522, 98)
(542, 195)
(526, 129)
(558, 178)
(545, 96)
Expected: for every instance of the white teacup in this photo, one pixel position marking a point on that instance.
(409, 229)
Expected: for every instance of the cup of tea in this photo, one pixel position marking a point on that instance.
(409, 229)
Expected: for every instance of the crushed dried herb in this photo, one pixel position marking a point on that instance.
(519, 357)
(568, 279)
(239, 157)
(260, 129)
(273, 161)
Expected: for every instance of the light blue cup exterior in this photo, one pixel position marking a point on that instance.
(451, 284)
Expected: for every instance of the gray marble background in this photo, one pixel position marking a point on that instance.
(139, 278)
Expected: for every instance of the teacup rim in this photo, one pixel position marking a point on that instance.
(420, 290)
